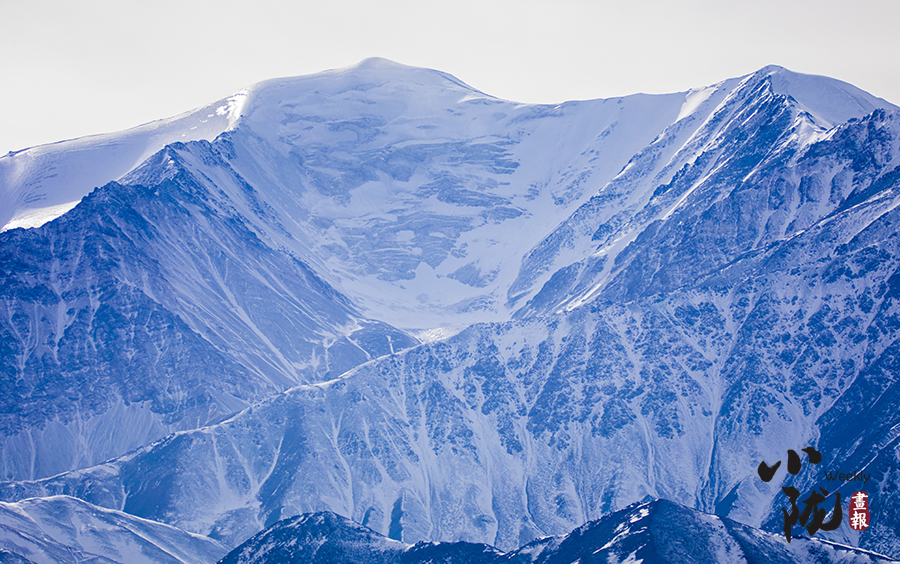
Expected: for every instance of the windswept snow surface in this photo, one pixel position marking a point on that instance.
(831, 101)
(41, 183)
(65, 530)
(415, 194)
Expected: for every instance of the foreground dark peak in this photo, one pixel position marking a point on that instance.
(655, 532)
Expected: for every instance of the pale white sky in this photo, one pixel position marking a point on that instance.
(73, 68)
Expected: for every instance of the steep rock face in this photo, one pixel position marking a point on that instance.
(858, 434)
(13, 558)
(661, 531)
(152, 309)
(658, 531)
(62, 530)
(760, 170)
(511, 431)
(319, 537)
(398, 188)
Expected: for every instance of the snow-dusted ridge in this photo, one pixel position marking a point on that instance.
(38, 184)
(41, 183)
(66, 530)
(659, 532)
(831, 101)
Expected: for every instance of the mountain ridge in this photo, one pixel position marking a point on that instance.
(18, 175)
(652, 531)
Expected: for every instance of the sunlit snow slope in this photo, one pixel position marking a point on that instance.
(41, 183)
(65, 530)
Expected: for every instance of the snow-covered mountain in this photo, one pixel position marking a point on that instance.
(660, 532)
(640, 297)
(442, 173)
(42, 183)
(62, 529)
(148, 310)
(507, 432)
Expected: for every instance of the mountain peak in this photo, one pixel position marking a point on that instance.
(363, 75)
(379, 63)
(829, 100)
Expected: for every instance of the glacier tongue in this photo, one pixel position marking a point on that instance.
(404, 193)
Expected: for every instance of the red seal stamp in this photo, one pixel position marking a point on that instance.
(859, 511)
